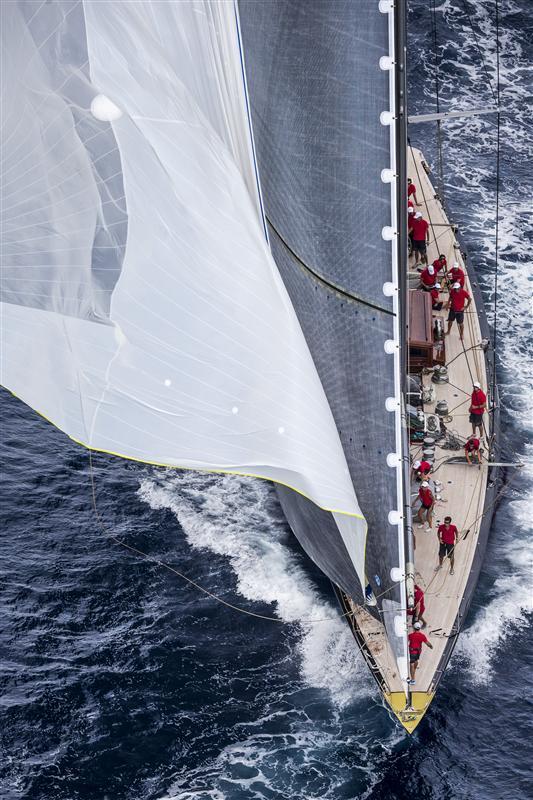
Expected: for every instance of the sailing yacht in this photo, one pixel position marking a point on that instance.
(205, 266)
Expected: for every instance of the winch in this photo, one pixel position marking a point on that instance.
(441, 409)
(440, 375)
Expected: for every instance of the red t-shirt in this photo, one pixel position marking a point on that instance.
(419, 228)
(438, 264)
(434, 297)
(411, 189)
(427, 278)
(426, 496)
(416, 639)
(472, 444)
(479, 398)
(448, 535)
(419, 599)
(457, 275)
(458, 299)
(410, 204)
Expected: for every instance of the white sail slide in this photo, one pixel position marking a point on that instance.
(193, 355)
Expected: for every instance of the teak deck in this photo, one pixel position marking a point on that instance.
(462, 489)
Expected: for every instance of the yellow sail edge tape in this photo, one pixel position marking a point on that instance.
(190, 469)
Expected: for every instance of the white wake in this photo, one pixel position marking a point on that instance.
(235, 517)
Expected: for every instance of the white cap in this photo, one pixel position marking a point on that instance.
(410, 210)
(418, 215)
(456, 286)
(456, 265)
(431, 270)
(477, 385)
(424, 484)
(416, 464)
(417, 626)
(437, 286)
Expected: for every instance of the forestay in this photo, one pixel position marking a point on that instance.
(142, 311)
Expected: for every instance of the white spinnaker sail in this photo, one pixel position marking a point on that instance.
(187, 352)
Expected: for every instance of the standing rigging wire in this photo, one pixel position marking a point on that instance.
(496, 232)
(437, 99)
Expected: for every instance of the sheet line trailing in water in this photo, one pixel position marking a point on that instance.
(142, 312)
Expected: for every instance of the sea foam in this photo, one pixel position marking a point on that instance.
(235, 517)
(511, 597)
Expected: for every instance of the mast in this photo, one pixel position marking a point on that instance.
(399, 516)
(400, 31)
(398, 18)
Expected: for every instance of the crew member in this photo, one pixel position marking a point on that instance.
(411, 191)
(428, 278)
(457, 305)
(421, 469)
(417, 612)
(472, 449)
(440, 263)
(456, 275)
(427, 501)
(478, 406)
(436, 303)
(447, 542)
(416, 640)
(410, 218)
(420, 229)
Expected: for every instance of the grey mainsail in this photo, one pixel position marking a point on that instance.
(317, 93)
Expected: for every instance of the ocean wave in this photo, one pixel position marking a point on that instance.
(236, 517)
(510, 604)
(301, 763)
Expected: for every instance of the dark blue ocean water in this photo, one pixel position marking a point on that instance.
(120, 682)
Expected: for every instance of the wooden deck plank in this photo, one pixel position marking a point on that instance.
(462, 491)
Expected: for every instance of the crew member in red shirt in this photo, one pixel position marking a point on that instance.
(472, 449)
(436, 303)
(440, 263)
(427, 501)
(410, 218)
(447, 542)
(420, 231)
(421, 469)
(411, 191)
(456, 275)
(416, 640)
(417, 612)
(428, 278)
(457, 304)
(478, 405)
